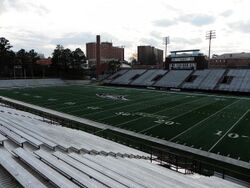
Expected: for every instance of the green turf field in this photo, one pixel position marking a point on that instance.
(207, 122)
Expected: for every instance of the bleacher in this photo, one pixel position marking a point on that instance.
(30, 83)
(234, 80)
(245, 86)
(128, 77)
(149, 78)
(173, 78)
(198, 77)
(115, 76)
(38, 133)
(64, 159)
(240, 81)
(212, 79)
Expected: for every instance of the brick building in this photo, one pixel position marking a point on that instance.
(230, 60)
(108, 52)
(149, 56)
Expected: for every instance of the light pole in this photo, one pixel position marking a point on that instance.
(209, 36)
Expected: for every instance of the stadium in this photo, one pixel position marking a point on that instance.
(152, 122)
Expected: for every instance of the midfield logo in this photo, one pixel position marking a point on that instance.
(112, 97)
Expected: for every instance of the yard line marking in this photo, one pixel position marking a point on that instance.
(121, 103)
(81, 104)
(156, 125)
(135, 103)
(155, 112)
(203, 120)
(178, 93)
(230, 129)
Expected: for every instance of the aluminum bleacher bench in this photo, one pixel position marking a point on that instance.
(29, 138)
(101, 177)
(104, 170)
(45, 141)
(122, 170)
(25, 178)
(72, 173)
(12, 136)
(2, 139)
(47, 172)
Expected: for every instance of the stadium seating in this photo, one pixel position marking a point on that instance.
(212, 79)
(128, 77)
(149, 78)
(240, 81)
(24, 130)
(115, 76)
(25, 178)
(29, 83)
(173, 78)
(52, 166)
(245, 86)
(199, 77)
(6, 180)
(208, 79)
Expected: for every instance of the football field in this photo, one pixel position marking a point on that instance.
(214, 123)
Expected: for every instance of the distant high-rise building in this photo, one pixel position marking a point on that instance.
(108, 53)
(149, 55)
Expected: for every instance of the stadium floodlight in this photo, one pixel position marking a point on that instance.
(209, 36)
(166, 41)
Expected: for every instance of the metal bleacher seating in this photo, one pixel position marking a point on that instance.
(239, 83)
(50, 174)
(207, 79)
(199, 77)
(30, 83)
(115, 76)
(25, 178)
(38, 133)
(212, 79)
(128, 77)
(245, 86)
(149, 78)
(2, 139)
(12, 136)
(52, 166)
(173, 78)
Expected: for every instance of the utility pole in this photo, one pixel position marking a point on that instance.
(209, 36)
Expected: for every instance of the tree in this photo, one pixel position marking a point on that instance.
(114, 65)
(32, 58)
(6, 57)
(22, 59)
(57, 59)
(78, 59)
(4, 45)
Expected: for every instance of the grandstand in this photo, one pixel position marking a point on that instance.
(55, 156)
(173, 78)
(149, 78)
(30, 83)
(128, 77)
(227, 80)
(196, 79)
(238, 81)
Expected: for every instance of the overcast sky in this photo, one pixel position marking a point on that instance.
(41, 24)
